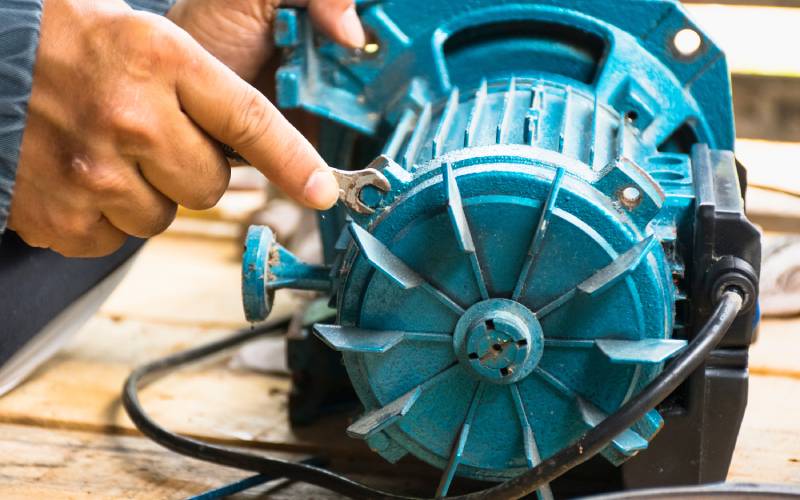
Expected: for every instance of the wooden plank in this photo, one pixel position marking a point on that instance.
(42, 463)
(776, 351)
(770, 221)
(80, 390)
(184, 281)
(768, 449)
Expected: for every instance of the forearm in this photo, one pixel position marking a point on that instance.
(19, 39)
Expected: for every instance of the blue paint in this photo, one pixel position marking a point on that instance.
(256, 300)
(267, 266)
(517, 283)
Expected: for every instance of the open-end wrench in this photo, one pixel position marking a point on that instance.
(351, 182)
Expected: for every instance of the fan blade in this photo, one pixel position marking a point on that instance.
(645, 352)
(628, 443)
(351, 339)
(458, 218)
(394, 268)
(381, 418)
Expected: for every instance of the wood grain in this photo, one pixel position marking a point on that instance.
(80, 390)
(776, 352)
(39, 463)
(768, 448)
(43, 463)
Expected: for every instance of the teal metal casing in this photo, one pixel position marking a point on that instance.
(519, 281)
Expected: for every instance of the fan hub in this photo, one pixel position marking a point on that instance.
(499, 340)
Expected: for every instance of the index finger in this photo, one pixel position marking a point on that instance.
(235, 113)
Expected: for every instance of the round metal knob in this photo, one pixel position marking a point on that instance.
(256, 298)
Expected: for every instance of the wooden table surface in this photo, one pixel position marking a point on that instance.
(63, 433)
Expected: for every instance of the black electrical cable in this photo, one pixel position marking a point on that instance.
(208, 452)
(585, 448)
(194, 448)
(631, 412)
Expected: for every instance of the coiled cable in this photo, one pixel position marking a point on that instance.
(589, 445)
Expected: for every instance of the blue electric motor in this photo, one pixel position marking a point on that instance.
(563, 197)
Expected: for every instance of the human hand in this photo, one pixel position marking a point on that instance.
(120, 123)
(238, 32)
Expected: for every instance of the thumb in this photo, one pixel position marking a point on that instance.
(233, 112)
(337, 18)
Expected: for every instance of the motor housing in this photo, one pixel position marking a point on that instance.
(563, 202)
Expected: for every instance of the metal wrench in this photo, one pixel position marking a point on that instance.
(351, 182)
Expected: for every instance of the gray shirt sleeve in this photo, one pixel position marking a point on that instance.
(19, 39)
(157, 6)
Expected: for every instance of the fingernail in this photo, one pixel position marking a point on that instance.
(351, 29)
(322, 190)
